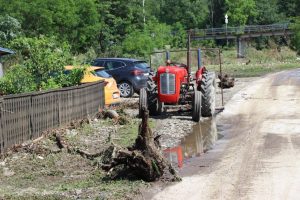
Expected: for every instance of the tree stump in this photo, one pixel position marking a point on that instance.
(144, 159)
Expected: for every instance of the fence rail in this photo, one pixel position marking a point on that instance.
(26, 116)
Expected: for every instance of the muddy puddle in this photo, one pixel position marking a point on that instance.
(202, 139)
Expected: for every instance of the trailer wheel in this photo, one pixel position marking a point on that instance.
(208, 89)
(155, 106)
(142, 100)
(196, 112)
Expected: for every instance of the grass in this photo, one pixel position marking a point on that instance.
(127, 134)
(253, 70)
(255, 63)
(65, 175)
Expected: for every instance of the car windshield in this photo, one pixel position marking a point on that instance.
(102, 73)
(141, 64)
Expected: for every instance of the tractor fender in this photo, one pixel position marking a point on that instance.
(199, 73)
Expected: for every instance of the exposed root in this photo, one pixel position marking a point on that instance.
(143, 159)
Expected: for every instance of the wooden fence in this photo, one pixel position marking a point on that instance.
(25, 116)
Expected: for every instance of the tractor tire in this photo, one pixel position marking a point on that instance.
(143, 100)
(196, 112)
(208, 90)
(155, 107)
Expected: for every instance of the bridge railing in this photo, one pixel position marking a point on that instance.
(241, 30)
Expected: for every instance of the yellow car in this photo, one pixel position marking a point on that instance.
(93, 74)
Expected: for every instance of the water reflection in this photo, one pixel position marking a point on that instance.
(198, 142)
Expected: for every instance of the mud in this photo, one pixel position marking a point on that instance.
(258, 157)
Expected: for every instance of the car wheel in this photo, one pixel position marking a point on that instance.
(126, 89)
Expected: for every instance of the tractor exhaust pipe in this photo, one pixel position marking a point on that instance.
(189, 53)
(199, 58)
(167, 56)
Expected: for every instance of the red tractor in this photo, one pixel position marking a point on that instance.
(174, 85)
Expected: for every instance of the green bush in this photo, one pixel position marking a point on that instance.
(154, 36)
(41, 66)
(296, 37)
(17, 80)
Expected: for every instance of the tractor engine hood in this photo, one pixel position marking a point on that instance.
(169, 80)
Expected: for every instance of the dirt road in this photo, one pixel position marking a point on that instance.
(259, 155)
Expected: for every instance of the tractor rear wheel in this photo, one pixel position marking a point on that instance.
(208, 89)
(196, 112)
(143, 100)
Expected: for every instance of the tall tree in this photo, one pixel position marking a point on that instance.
(296, 36)
(290, 8)
(10, 28)
(240, 11)
(118, 19)
(190, 13)
(217, 12)
(267, 12)
(76, 21)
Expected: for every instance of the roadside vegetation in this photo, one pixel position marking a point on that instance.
(257, 62)
(47, 35)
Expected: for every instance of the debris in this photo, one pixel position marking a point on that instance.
(225, 81)
(143, 160)
(79, 123)
(112, 114)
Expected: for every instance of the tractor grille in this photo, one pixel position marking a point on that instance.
(167, 83)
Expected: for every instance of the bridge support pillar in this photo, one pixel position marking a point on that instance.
(241, 46)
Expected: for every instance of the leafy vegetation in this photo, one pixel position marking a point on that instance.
(48, 34)
(108, 25)
(296, 38)
(40, 66)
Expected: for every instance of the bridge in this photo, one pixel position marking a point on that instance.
(241, 33)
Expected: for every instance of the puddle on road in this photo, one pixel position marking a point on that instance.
(198, 142)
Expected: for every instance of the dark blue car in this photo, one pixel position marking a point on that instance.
(130, 74)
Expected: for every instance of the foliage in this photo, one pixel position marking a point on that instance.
(190, 13)
(42, 56)
(41, 67)
(75, 21)
(217, 10)
(17, 80)
(106, 26)
(290, 8)
(239, 11)
(10, 28)
(154, 35)
(73, 78)
(296, 37)
(119, 18)
(267, 12)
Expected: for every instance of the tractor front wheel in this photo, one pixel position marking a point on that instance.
(196, 112)
(155, 107)
(142, 100)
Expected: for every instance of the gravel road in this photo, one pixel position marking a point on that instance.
(259, 155)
